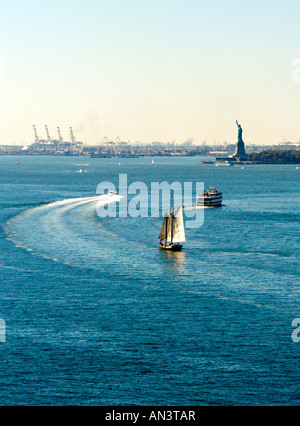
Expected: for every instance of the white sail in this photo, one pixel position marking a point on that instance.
(178, 227)
(169, 227)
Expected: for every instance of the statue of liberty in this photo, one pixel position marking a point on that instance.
(240, 132)
(240, 146)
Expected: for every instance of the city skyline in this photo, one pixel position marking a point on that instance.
(150, 70)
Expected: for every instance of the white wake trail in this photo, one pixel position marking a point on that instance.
(63, 230)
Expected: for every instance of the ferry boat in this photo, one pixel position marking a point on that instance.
(210, 198)
(224, 163)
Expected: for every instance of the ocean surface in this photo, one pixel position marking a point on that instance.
(96, 314)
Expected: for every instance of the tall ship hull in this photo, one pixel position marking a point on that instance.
(170, 246)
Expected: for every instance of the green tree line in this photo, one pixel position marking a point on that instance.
(280, 157)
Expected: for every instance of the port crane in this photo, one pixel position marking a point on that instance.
(36, 138)
(60, 139)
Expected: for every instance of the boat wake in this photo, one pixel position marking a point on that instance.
(68, 230)
(200, 207)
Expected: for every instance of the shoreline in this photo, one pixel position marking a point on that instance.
(246, 162)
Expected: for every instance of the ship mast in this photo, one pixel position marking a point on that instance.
(172, 215)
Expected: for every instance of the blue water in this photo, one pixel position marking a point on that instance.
(96, 314)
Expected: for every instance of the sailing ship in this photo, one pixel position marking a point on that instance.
(172, 232)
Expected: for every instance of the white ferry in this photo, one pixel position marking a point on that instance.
(223, 163)
(210, 198)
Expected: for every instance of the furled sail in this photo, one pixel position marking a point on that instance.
(178, 227)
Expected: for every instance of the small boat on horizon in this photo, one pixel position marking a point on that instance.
(172, 232)
(223, 163)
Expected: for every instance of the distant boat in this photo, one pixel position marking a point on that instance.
(210, 198)
(297, 168)
(17, 162)
(224, 163)
(152, 162)
(172, 232)
(120, 164)
(81, 171)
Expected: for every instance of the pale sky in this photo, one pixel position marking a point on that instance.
(150, 70)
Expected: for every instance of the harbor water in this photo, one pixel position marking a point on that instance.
(96, 314)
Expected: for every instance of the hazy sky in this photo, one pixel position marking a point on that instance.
(148, 70)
